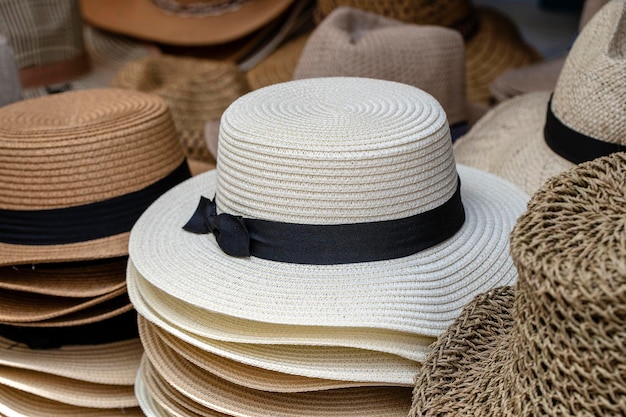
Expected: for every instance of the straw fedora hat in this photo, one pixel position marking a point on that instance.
(526, 140)
(552, 345)
(10, 90)
(79, 168)
(382, 155)
(492, 42)
(541, 76)
(183, 22)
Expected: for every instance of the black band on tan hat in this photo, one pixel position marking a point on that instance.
(86, 222)
(572, 145)
(332, 244)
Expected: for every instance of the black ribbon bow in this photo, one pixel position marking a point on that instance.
(230, 231)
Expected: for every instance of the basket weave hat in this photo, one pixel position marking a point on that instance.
(77, 170)
(552, 345)
(10, 90)
(317, 154)
(492, 42)
(525, 140)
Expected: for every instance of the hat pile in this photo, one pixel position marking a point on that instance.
(78, 168)
(531, 137)
(553, 345)
(309, 273)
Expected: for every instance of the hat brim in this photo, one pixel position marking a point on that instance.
(508, 142)
(541, 76)
(421, 293)
(144, 20)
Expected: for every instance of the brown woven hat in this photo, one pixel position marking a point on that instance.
(183, 22)
(525, 140)
(196, 91)
(493, 43)
(554, 344)
(77, 170)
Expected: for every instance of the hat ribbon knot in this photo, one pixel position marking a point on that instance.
(231, 233)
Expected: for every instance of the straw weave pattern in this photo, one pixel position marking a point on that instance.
(553, 345)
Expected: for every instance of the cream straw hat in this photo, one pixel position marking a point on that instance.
(10, 90)
(381, 155)
(586, 118)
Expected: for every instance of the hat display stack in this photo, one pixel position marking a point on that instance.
(78, 168)
(533, 136)
(553, 345)
(309, 273)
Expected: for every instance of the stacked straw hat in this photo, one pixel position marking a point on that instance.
(10, 90)
(553, 345)
(540, 76)
(536, 135)
(54, 52)
(78, 168)
(308, 274)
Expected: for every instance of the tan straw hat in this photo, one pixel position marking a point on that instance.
(493, 43)
(183, 22)
(541, 76)
(78, 168)
(342, 159)
(10, 90)
(525, 140)
(196, 91)
(552, 345)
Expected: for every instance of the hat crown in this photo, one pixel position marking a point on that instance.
(589, 96)
(334, 150)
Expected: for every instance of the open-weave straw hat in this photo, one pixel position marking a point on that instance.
(10, 90)
(541, 76)
(320, 153)
(77, 170)
(201, 322)
(493, 43)
(196, 91)
(525, 140)
(553, 344)
(183, 22)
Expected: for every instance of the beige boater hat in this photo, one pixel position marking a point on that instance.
(553, 344)
(534, 136)
(381, 157)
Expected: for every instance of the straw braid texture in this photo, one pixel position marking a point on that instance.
(196, 91)
(10, 90)
(554, 345)
(352, 42)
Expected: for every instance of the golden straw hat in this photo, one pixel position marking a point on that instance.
(526, 140)
(196, 91)
(553, 345)
(183, 22)
(78, 169)
(493, 43)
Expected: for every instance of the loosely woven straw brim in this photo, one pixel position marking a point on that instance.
(508, 141)
(68, 391)
(419, 294)
(110, 363)
(219, 395)
(16, 403)
(495, 47)
(541, 76)
(204, 323)
(178, 355)
(144, 20)
(66, 279)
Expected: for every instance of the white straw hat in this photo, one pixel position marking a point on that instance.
(526, 140)
(321, 153)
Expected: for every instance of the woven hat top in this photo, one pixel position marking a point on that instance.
(554, 344)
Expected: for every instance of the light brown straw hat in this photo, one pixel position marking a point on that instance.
(493, 43)
(183, 22)
(525, 141)
(196, 91)
(200, 322)
(541, 76)
(77, 170)
(552, 345)
(382, 153)
(10, 90)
